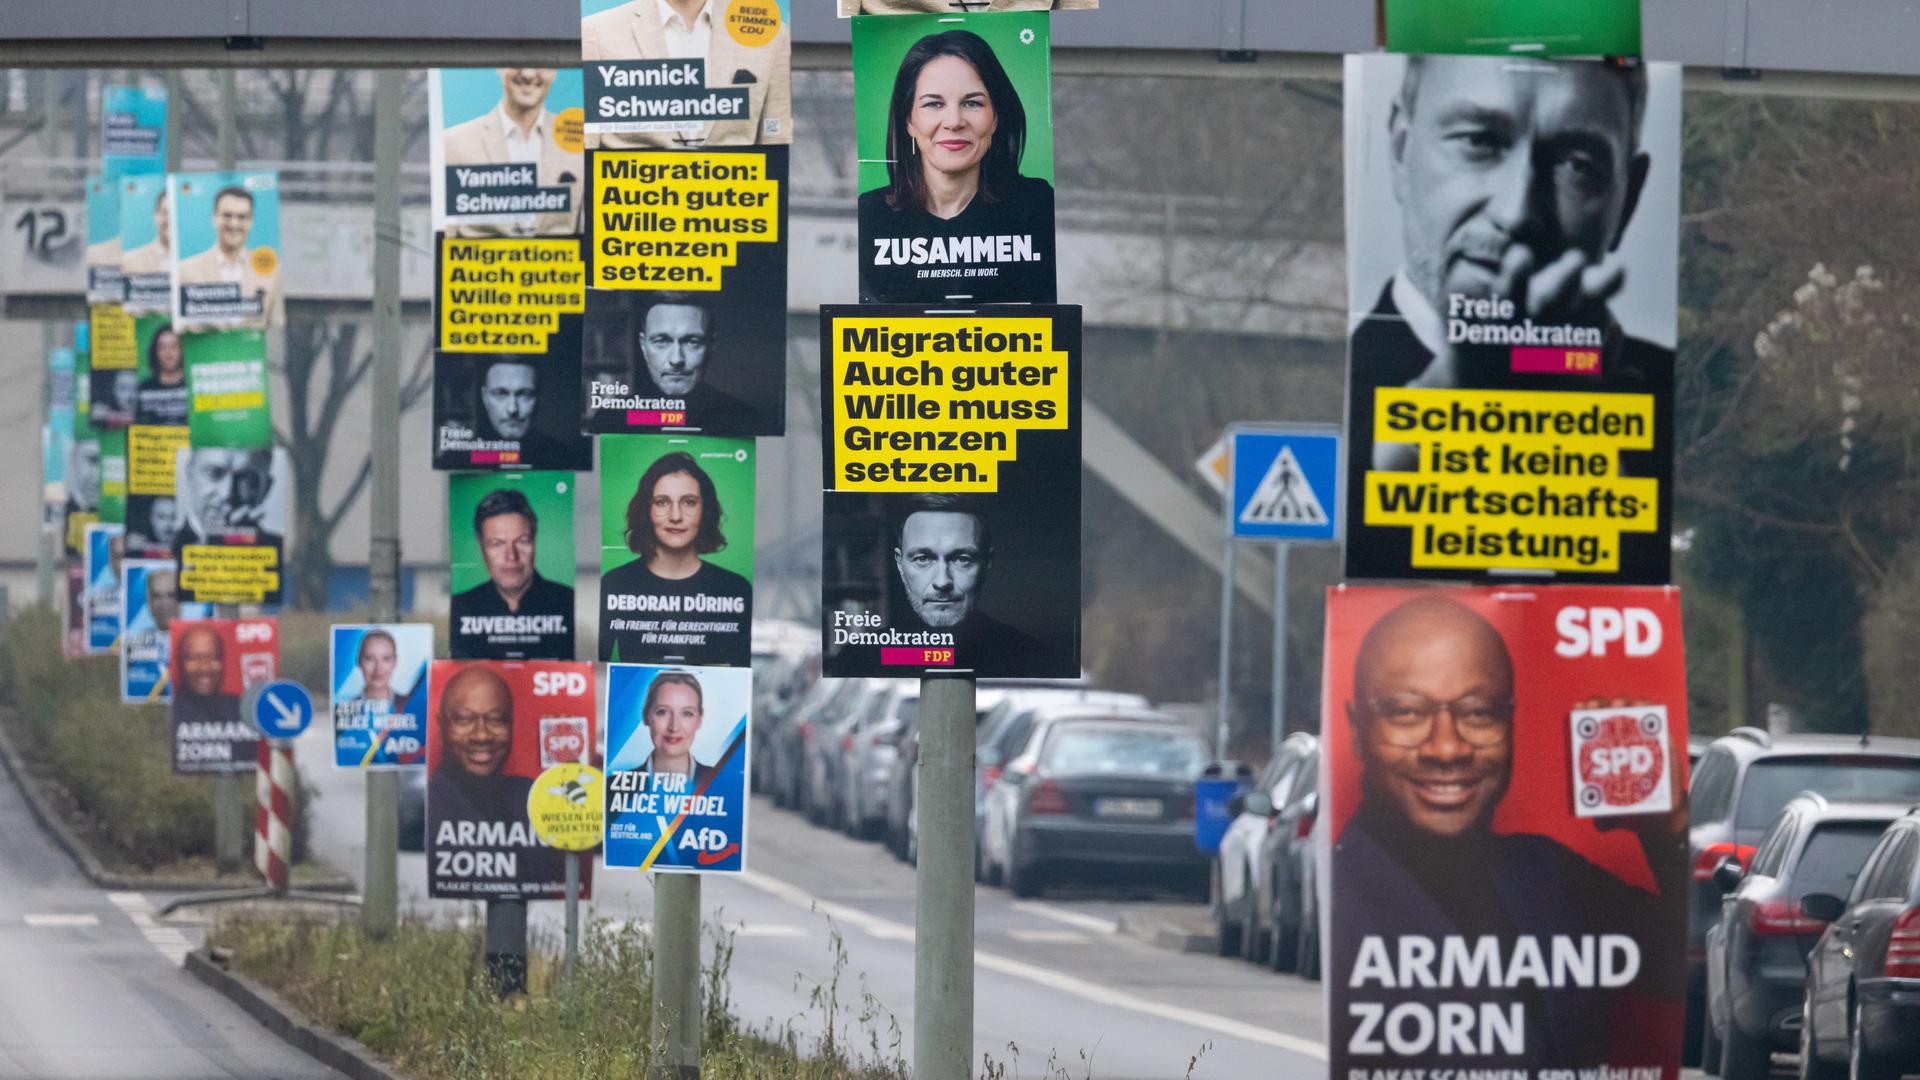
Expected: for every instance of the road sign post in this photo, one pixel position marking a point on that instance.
(566, 810)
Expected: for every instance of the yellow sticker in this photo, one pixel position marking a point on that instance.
(565, 807)
(753, 23)
(265, 261)
(570, 130)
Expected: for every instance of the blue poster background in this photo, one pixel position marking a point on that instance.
(643, 806)
(375, 734)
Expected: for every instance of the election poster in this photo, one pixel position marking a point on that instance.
(105, 284)
(955, 131)
(378, 675)
(226, 250)
(685, 220)
(231, 536)
(113, 476)
(1527, 28)
(1511, 288)
(496, 726)
(214, 662)
(943, 7)
(227, 388)
(653, 81)
(676, 549)
(160, 358)
(951, 447)
(677, 760)
(511, 410)
(101, 568)
(1501, 899)
(73, 609)
(113, 367)
(133, 130)
(56, 446)
(505, 148)
(153, 511)
(146, 243)
(510, 566)
(149, 591)
(509, 295)
(85, 469)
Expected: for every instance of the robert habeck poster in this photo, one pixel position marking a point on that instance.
(505, 149)
(215, 661)
(677, 763)
(1498, 904)
(1508, 27)
(226, 250)
(952, 469)
(686, 75)
(146, 242)
(676, 549)
(495, 726)
(231, 539)
(378, 675)
(955, 135)
(1512, 232)
(511, 565)
(149, 592)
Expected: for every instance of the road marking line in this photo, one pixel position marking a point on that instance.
(1064, 915)
(168, 941)
(43, 922)
(1053, 980)
(1050, 937)
(768, 930)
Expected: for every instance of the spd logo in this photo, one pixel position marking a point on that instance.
(559, 683)
(252, 633)
(1590, 631)
(563, 739)
(1620, 761)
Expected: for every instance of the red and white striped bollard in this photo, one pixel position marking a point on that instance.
(273, 814)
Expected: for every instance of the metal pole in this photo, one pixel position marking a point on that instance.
(176, 140)
(506, 946)
(573, 921)
(380, 883)
(1226, 640)
(50, 524)
(229, 808)
(676, 976)
(229, 100)
(1280, 552)
(943, 905)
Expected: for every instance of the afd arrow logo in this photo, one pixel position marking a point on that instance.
(1284, 496)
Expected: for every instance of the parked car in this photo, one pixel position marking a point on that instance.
(413, 810)
(1003, 732)
(902, 830)
(1284, 912)
(786, 772)
(1744, 780)
(1097, 788)
(1757, 951)
(786, 660)
(1240, 861)
(874, 755)
(1861, 1015)
(826, 744)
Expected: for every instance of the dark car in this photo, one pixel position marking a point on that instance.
(1743, 781)
(1284, 913)
(827, 746)
(1757, 952)
(1861, 1015)
(413, 810)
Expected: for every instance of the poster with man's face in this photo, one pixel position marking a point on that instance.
(689, 362)
(150, 602)
(226, 250)
(233, 523)
(655, 80)
(495, 726)
(102, 596)
(1496, 900)
(511, 411)
(677, 756)
(505, 148)
(146, 242)
(511, 565)
(214, 662)
(378, 675)
(105, 284)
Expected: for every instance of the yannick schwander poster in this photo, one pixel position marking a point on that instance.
(952, 474)
(504, 147)
(653, 81)
(1512, 243)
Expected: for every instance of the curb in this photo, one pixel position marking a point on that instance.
(337, 1052)
(1162, 934)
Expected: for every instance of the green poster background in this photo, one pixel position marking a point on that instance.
(551, 496)
(82, 391)
(247, 428)
(624, 459)
(1018, 38)
(113, 477)
(1514, 27)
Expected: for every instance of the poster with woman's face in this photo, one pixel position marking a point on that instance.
(677, 768)
(676, 549)
(378, 675)
(955, 134)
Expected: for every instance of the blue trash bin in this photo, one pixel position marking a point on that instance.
(1216, 787)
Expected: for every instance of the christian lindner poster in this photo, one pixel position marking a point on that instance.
(105, 285)
(146, 242)
(511, 410)
(149, 591)
(510, 551)
(505, 150)
(226, 250)
(215, 661)
(102, 596)
(154, 509)
(955, 133)
(1509, 27)
(1512, 230)
(495, 727)
(379, 678)
(654, 80)
(1508, 831)
(952, 457)
(233, 526)
(677, 768)
(676, 549)
(226, 387)
(113, 366)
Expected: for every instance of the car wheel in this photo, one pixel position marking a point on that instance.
(1024, 882)
(1226, 931)
(1811, 1067)
(1283, 946)
(1741, 1058)
(1710, 1048)
(1860, 1064)
(1308, 951)
(1690, 1041)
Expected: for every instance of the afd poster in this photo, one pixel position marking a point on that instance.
(226, 250)
(133, 130)
(102, 596)
(105, 283)
(149, 593)
(231, 538)
(677, 760)
(378, 675)
(654, 80)
(505, 149)
(951, 449)
(215, 661)
(227, 388)
(955, 131)
(1498, 904)
(676, 549)
(1526, 28)
(1512, 292)
(146, 242)
(496, 726)
(510, 565)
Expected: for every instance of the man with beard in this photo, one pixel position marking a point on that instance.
(515, 614)
(474, 805)
(943, 552)
(676, 342)
(519, 131)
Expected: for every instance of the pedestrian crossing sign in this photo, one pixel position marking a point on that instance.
(1286, 483)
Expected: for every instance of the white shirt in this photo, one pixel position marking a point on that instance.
(232, 269)
(522, 147)
(687, 42)
(1422, 319)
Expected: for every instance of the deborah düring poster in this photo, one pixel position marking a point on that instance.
(510, 549)
(505, 150)
(677, 768)
(378, 674)
(226, 249)
(676, 549)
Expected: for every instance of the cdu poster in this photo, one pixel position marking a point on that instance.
(226, 250)
(677, 760)
(105, 284)
(505, 151)
(651, 80)
(146, 242)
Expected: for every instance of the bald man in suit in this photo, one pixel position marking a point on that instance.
(229, 259)
(519, 129)
(695, 29)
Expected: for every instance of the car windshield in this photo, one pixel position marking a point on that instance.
(1770, 783)
(1835, 853)
(1118, 752)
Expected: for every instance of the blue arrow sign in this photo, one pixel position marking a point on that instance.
(283, 709)
(1286, 484)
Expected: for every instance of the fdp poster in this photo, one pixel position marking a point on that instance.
(105, 284)
(226, 250)
(496, 726)
(102, 596)
(955, 131)
(505, 148)
(146, 242)
(378, 674)
(113, 365)
(511, 411)
(676, 549)
(677, 760)
(227, 388)
(214, 662)
(1526, 28)
(154, 510)
(951, 448)
(1481, 917)
(1511, 288)
(511, 565)
(149, 591)
(651, 80)
(232, 535)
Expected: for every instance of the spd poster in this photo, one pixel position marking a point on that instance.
(226, 250)
(378, 674)
(505, 150)
(214, 662)
(1480, 918)
(149, 591)
(511, 565)
(1526, 28)
(653, 81)
(102, 596)
(105, 285)
(677, 759)
(496, 726)
(146, 242)
(231, 538)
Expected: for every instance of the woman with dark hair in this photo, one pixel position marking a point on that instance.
(956, 219)
(674, 518)
(673, 711)
(162, 397)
